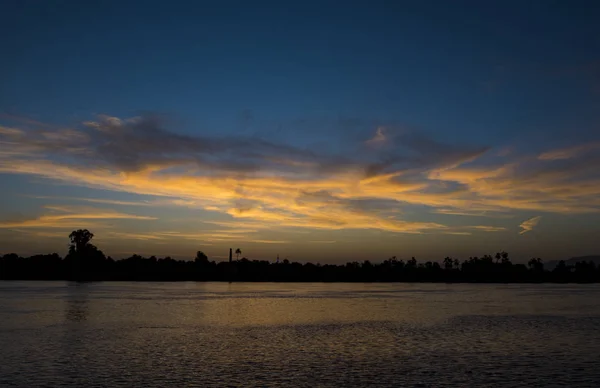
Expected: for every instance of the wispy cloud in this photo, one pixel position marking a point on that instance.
(203, 237)
(258, 241)
(208, 236)
(568, 153)
(41, 233)
(96, 200)
(7, 131)
(378, 138)
(529, 224)
(65, 217)
(135, 236)
(489, 228)
(272, 185)
(481, 213)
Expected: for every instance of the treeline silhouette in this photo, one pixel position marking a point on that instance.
(85, 262)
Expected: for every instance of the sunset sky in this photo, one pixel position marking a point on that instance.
(320, 131)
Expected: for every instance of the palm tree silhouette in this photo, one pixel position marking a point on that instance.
(238, 252)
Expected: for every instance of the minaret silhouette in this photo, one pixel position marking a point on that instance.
(230, 255)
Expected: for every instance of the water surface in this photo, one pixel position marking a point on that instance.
(298, 335)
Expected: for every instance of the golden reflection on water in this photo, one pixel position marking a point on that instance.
(276, 334)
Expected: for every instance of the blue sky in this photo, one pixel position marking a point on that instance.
(322, 131)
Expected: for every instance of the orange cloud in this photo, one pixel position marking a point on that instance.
(280, 186)
(69, 217)
(266, 241)
(529, 224)
(97, 200)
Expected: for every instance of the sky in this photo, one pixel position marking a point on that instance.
(315, 131)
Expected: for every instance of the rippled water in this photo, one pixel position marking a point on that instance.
(298, 335)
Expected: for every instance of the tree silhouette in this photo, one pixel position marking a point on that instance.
(536, 265)
(562, 267)
(448, 263)
(80, 240)
(85, 262)
(238, 252)
(505, 259)
(84, 258)
(201, 257)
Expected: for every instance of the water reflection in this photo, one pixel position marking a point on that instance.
(299, 335)
(77, 307)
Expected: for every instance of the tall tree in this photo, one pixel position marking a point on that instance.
(201, 258)
(238, 252)
(80, 239)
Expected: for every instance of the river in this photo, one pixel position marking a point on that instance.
(126, 334)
